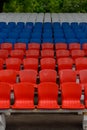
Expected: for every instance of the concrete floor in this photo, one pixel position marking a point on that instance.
(44, 122)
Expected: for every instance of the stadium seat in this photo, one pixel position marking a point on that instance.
(28, 75)
(6, 46)
(47, 53)
(34, 46)
(5, 90)
(47, 46)
(17, 54)
(24, 96)
(67, 75)
(32, 53)
(60, 46)
(47, 96)
(84, 46)
(47, 63)
(13, 63)
(85, 95)
(8, 76)
(62, 53)
(20, 46)
(11, 40)
(4, 54)
(1, 63)
(81, 63)
(74, 46)
(77, 54)
(65, 63)
(23, 40)
(71, 94)
(30, 63)
(48, 75)
(83, 77)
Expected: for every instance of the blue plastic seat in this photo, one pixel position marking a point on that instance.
(23, 40)
(11, 40)
(56, 40)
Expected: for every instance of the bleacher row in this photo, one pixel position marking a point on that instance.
(43, 60)
(43, 32)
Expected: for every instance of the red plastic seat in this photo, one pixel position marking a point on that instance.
(47, 63)
(47, 46)
(85, 95)
(20, 46)
(5, 90)
(6, 46)
(65, 63)
(13, 63)
(24, 96)
(30, 63)
(62, 53)
(60, 46)
(17, 54)
(4, 54)
(8, 76)
(1, 63)
(47, 54)
(81, 63)
(34, 46)
(84, 46)
(83, 76)
(47, 96)
(77, 54)
(28, 76)
(67, 75)
(71, 94)
(32, 54)
(48, 75)
(74, 46)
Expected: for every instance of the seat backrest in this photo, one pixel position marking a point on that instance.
(77, 53)
(13, 63)
(84, 46)
(28, 75)
(47, 53)
(8, 76)
(20, 46)
(47, 91)
(62, 53)
(47, 46)
(5, 90)
(4, 54)
(32, 53)
(48, 75)
(24, 91)
(32, 46)
(6, 46)
(30, 63)
(1, 63)
(85, 94)
(81, 63)
(74, 46)
(60, 46)
(71, 91)
(65, 63)
(83, 76)
(17, 54)
(67, 75)
(47, 63)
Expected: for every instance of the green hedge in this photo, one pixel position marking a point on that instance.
(45, 6)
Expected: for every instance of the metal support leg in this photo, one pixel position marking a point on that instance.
(85, 121)
(2, 122)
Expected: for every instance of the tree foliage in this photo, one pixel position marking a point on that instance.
(45, 6)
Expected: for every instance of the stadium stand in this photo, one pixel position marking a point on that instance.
(46, 51)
